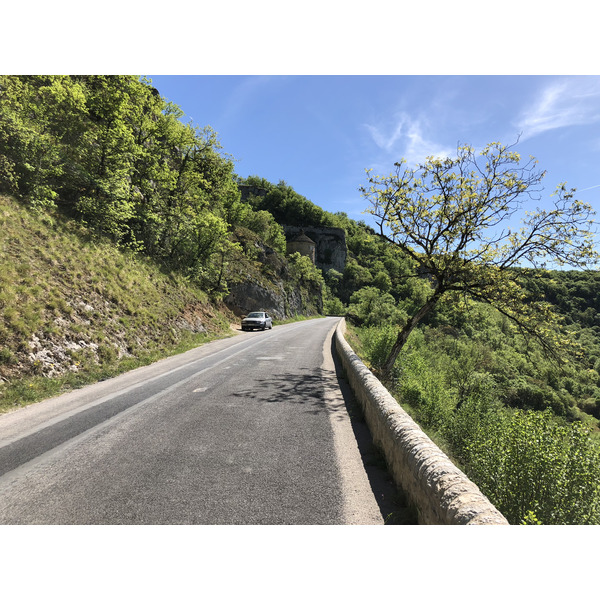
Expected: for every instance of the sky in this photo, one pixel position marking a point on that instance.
(319, 133)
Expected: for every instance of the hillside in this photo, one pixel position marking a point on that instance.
(75, 308)
(124, 235)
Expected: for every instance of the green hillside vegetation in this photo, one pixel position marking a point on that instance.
(76, 309)
(111, 153)
(123, 230)
(521, 424)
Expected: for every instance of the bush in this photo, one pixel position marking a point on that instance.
(107, 353)
(421, 382)
(6, 357)
(377, 342)
(526, 395)
(370, 307)
(472, 414)
(527, 461)
(334, 307)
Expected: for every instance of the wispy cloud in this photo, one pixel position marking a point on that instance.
(563, 103)
(593, 187)
(248, 90)
(406, 137)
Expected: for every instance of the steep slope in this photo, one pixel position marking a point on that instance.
(73, 306)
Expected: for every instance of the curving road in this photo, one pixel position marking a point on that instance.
(249, 430)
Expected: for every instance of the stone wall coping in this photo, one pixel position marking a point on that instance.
(440, 492)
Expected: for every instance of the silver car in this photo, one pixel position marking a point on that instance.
(257, 320)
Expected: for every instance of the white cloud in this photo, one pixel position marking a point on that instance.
(406, 138)
(563, 103)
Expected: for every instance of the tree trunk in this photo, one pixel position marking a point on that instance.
(405, 332)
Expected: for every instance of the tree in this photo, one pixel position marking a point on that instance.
(369, 306)
(454, 218)
(110, 151)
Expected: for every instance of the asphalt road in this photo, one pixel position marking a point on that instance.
(249, 430)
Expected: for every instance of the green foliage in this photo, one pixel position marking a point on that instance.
(421, 382)
(527, 462)
(334, 307)
(111, 152)
(470, 389)
(376, 342)
(286, 205)
(450, 216)
(6, 356)
(263, 223)
(303, 270)
(369, 306)
(308, 281)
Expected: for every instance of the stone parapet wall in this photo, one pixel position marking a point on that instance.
(441, 493)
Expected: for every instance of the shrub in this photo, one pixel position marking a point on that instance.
(370, 306)
(6, 357)
(377, 342)
(107, 353)
(334, 307)
(422, 384)
(526, 395)
(527, 461)
(472, 414)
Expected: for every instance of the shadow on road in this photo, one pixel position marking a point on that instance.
(318, 391)
(311, 388)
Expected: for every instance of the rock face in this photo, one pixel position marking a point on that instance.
(250, 295)
(272, 289)
(265, 283)
(331, 250)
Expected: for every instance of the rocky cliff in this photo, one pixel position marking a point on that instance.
(265, 283)
(331, 250)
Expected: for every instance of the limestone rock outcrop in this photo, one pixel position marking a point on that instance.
(331, 250)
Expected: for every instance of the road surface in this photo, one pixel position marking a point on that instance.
(248, 430)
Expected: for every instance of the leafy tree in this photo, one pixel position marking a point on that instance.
(110, 151)
(382, 281)
(39, 115)
(370, 306)
(453, 216)
(303, 270)
(334, 306)
(286, 205)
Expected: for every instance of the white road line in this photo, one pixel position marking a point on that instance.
(134, 386)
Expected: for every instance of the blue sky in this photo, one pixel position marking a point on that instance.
(319, 133)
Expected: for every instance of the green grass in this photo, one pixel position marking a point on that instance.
(296, 319)
(69, 289)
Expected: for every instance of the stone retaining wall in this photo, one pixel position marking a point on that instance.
(441, 493)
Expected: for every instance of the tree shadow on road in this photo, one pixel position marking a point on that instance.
(318, 391)
(315, 389)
